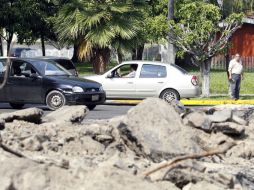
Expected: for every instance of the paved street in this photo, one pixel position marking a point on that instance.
(100, 112)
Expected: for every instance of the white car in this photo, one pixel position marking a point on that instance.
(143, 79)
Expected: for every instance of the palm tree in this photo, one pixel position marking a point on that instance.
(94, 25)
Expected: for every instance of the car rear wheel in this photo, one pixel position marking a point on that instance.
(169, 95)
(16, 105)
(91, 107)
(55, 100)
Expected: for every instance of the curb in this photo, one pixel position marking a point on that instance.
(189, 102)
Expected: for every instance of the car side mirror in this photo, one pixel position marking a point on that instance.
(110, 75)
(34, 75)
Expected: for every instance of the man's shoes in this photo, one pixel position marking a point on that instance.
(235, 99)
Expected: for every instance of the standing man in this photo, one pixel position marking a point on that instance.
(235, 70)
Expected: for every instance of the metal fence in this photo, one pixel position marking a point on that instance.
(219, 63)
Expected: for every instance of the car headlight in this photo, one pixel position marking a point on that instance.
(101, 88)
(77, 89)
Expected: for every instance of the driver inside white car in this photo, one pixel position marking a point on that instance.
(133, 69)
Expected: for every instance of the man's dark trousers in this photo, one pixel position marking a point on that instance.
(235, 85)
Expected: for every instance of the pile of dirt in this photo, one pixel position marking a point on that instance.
(210, 147)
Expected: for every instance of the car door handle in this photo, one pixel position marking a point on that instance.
(130, 82)
(160, 82)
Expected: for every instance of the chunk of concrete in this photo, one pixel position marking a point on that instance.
(198, 119)
(221, 116)
(154, 129)
(72, 114)
(228, 128)
(32, 115)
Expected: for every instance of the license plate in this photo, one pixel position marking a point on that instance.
(95, 97)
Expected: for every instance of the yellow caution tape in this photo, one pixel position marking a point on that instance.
(192, 102)
(126, 101)
(215, 102)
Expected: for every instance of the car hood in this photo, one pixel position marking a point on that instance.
(75, 81)
(96, 78)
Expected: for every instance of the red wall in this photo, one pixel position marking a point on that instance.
(243, 41)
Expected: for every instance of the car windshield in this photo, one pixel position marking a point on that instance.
(50, 68)
(67, 64)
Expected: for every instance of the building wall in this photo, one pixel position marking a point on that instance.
(243, 41)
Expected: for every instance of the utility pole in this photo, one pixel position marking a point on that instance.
(171, 54)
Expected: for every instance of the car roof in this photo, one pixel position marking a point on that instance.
(146, 62)
(52, 57)
(21, 48)
(3, 57)
(30, 60)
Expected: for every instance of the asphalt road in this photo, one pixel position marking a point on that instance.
(100, 112)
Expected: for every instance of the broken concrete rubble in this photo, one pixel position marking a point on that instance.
(32, 115)
(72, 114)
(61, 152)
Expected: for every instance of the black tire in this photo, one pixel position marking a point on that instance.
(169, 95)
(16, 105)
(91, 107)
(55, 100)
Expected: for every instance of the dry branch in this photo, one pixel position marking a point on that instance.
(9, 150)
(221, 150)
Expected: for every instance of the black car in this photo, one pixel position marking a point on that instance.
(64, 62)
(44, 82)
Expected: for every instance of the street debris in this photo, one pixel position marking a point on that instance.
(155, 146)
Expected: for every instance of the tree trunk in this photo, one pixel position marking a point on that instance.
(43, 45)
(171, 53)
(75, 57)
(9, 41)
(140, 51)
(119, 56)
(100, 60)
(134, 54)
(1, 47)
(227, 65)
(137, 53)
(205, 72)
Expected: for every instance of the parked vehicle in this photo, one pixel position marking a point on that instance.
(142, 79)
(46, 82)
(16, 52)
(65, 62)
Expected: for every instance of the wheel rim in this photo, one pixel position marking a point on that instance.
(56, 101)
(169, 96)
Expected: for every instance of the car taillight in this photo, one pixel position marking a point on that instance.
(194, 80)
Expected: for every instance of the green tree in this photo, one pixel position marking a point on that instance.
(28, 19)
(94, 25)
(200, 32)
(156, 24)
(35, 21)
(237, 6)
(9, 20)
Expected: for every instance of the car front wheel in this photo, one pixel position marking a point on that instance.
(16, 105)
(55, 100)
(169, 95)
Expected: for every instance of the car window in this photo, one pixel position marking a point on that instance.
(27, 69)
(67, 64)
(16, 68)
(2, 67)
(153, 71)
(21, 69)
(125, 71)
(50, 68)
